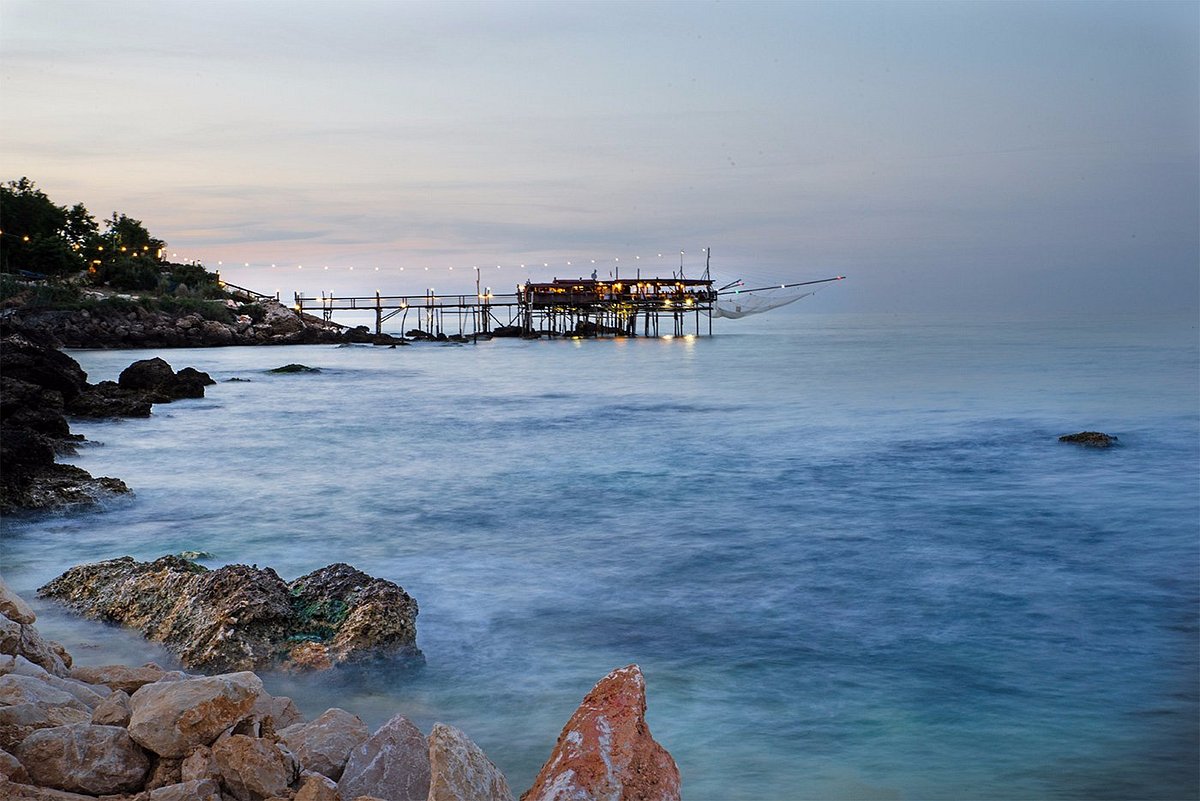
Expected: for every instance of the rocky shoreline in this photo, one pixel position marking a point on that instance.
(125, 733)
(140, 327)
(40, 388)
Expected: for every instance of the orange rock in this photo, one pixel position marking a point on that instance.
(605, 751)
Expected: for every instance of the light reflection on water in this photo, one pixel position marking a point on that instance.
(848, 552)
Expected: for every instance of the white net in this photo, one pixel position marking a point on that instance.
(740, 303)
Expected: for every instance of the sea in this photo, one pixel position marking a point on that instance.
(848, 551)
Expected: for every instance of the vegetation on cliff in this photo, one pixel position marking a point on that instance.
(59, 257)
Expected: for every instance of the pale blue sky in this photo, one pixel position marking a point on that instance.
(991, 157)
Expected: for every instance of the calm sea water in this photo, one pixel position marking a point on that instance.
(848, 552)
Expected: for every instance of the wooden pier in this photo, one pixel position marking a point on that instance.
(562, 307)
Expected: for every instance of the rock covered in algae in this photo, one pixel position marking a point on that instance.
(295, 368)
(242, 617)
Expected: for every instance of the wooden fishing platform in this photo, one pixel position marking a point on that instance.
(562, 307)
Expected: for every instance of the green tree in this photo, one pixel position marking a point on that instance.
(80, 228)
(33, 228)
(127, 236)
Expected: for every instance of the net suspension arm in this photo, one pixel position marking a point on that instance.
(726, 291)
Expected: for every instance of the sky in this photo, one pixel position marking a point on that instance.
(982, 157)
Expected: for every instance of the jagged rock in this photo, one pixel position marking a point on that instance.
(118, 677)
(295, 368)
(23, 640)
(159, 383)
(279, 319)
(62, 486)
(16, 689)
(366, 616)
(460, 771)
(275, 712)
(316, 787)
(239, 617)
(27, 405)
(108, 399)
(38, 363)
(113, 710)
(606, 751)
(171, 717)
(82, 758)
(252, 768)
(1093, 439)
(199, 765)
(89, 694)
(197, 790)
(19, 721)
(36, 384)
(11, 791)
(164, 772)
(11, 768)
(324, 745)
(13, 607)
(392, 764)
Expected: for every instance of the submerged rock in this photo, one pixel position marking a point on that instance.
(240, 617)
(295, 368)
(606, 751)
(1093, 439)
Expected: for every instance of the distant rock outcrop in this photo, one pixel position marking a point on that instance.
(1093, 439)
(240, 617)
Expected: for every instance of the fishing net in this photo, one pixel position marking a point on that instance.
(738, 303)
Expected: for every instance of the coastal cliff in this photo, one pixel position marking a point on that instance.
(40, 389)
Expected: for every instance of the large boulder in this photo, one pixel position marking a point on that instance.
(252, 768)
(159, 383)
(20, 720)
(392, 764)
(17, 689)
(171, 717)
(243, 618)
(460, 771)
(280, 320)
(324, 745)
(606, 751)
(82, 758)
(118, 677)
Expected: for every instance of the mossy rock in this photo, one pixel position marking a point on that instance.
(295, 368)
